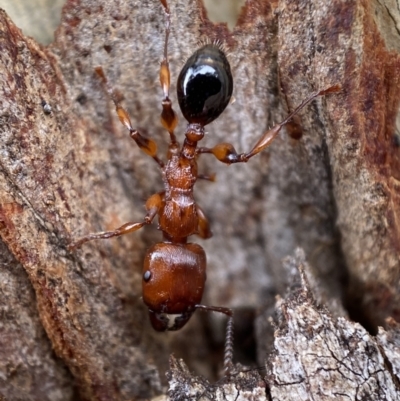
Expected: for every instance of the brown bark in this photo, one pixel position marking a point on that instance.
(334, 192)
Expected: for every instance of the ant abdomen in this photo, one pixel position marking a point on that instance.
(205, 85)
(173, 282)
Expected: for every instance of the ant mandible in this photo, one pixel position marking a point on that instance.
(174, 271)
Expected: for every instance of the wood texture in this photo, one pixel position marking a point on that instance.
(73, 169)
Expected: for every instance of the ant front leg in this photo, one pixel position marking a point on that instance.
(226, 153)
(146, 144)
(153, 205)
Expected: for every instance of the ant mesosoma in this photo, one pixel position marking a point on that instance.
(174, 271)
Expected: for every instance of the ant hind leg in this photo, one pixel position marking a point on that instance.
(147, 145)
(226, 153)
(169, 120)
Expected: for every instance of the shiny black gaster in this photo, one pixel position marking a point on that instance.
(205, 85)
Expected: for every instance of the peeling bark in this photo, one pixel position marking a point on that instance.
(316, 356)
(330, 185)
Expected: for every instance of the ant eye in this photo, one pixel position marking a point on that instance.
(205, 85)
(147, 275)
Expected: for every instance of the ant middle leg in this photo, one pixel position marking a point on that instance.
(153, 205)
(206, 177)
(147, 145)
(226, 153)
(204, 229)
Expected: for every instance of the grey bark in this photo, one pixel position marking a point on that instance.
(71, 169)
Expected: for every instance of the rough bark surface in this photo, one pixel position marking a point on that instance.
(331, 186)
(316, 356)
(320, 357)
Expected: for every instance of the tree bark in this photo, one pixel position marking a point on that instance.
(316, 356)
(329, 185)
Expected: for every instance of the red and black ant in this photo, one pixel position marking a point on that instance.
(174, 271)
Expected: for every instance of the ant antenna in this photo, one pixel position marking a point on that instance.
(228, 351)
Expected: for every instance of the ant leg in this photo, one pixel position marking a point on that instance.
(226, 153)
(169, 120)
(153, 205)
(146, 144)
(293, 128)
(228, 352)
(206, 177)
(203, 230)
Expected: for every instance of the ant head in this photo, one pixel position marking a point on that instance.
(168, 321)
(205, 85)
(173, 281)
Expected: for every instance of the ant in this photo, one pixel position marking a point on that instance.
(174, 271)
